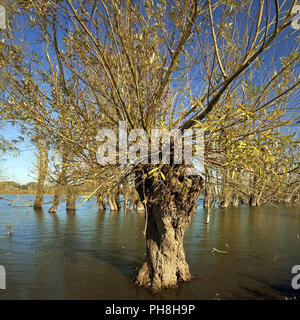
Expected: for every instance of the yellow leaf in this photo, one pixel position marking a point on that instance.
(289, 122)
(163, 176)
(153, 170)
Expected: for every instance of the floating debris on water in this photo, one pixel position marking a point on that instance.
(218, 251)
(9, 229)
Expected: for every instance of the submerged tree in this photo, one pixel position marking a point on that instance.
(42, 157)
(166, 65)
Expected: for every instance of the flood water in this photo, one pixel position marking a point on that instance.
(94, 255)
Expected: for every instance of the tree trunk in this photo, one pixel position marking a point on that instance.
(60, 186)
(225, 200)
(214, 197)
(235, 200)
(101, 204)
(125, 202)
(71, 198)
(226, 193)
(208, 216)
(207, 197)
(125, 190)
(42, 167)
(253, 196)
(117, 198)
(132, 203)
(139, 206)
(112, 202)
(169, 207)
(207, 194)
(100, 201)
(133, 198)
(55, 202)
(207, 191)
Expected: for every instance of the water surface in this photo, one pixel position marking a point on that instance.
(89, 254)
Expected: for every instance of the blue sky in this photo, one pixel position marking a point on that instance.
(17, 166)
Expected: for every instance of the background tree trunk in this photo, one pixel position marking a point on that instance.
(235, 200)
(139, 206)
(55, 201)
(112, 201)
(100, 201)
(42, 167)
(226, 192)
(61, 184)
(71, 198)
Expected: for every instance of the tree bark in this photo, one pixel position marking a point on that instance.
(139, 206)
(100, 201)
(112, 202)
(131, 205)
(226, 193)
(225, 200)
(169, 207)
(133, 198)
(60, 186)
(71, 198)
(235, 200)
(42, 167)
(55, 202)
(117, 198)
(208, 193)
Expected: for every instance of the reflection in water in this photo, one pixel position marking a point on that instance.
(91, 254)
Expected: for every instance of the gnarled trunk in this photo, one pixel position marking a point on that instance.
(166, 263)
(169, 207)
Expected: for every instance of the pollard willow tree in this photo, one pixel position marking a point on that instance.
(153, 64)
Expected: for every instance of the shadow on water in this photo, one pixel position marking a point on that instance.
(116, 256)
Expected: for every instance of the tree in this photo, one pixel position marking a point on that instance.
(42, 144)
(157, 65)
